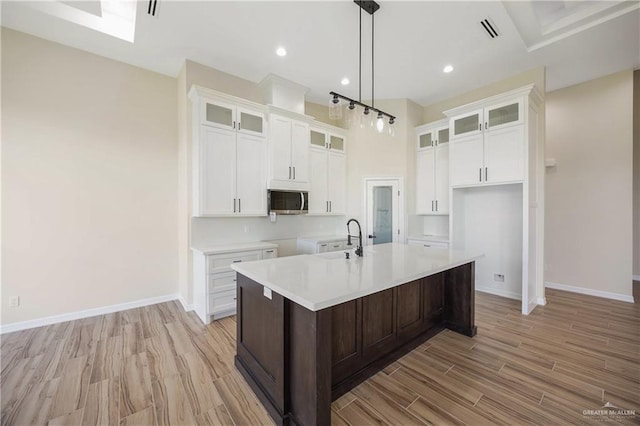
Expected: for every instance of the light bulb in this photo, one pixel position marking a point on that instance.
(335, 111)
(380, 123)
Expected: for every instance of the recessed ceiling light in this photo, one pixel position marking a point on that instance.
(344, 81)
(448, 68)
(281, 51)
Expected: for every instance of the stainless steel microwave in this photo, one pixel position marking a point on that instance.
(288, 202)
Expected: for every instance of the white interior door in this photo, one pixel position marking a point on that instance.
(384, 211)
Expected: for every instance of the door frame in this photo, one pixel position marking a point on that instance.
(397, 184)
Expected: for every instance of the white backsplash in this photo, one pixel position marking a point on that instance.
(214, 231)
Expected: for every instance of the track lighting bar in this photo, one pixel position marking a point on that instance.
(367, 108)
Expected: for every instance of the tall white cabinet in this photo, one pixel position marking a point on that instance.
(327, 168)
(229, 155)
(432, 169)
(497, 189)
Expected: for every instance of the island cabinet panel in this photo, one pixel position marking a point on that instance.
(309, 373)
(346, 338)
(378, 323)
(433, 299)
(410, 312)
(459, 299)
(261, 340)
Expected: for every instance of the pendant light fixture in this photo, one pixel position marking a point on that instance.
(335, 110)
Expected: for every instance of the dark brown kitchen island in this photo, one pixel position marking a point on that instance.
(298, 359)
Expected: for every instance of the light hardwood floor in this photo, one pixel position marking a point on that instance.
(160, 365)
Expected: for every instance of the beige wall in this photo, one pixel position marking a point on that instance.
(588, 194)
(536, 76)
(89, 173)
(636, 174)
(374, 155)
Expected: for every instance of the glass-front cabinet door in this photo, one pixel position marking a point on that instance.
(251, 122)
(442, 136)
(336, 143)
(219, 115)
(425, 140)
(318, 138)
(503, 115)
(467, 124)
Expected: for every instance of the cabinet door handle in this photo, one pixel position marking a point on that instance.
(426, 245)
(294, 172)
(480, 126)
(237, 261)
(239, 125)
(436, 205)
(234, 205)
(486, 126)
(234, 124)
(326, 207)
(239, 205)
(486, 174)
(330, 206)
(289, 172)
(269, 251)
(436, 142)
(480, 174)
(431, 205)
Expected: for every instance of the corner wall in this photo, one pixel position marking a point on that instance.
(636, 175)
(88, 181)
(588, 194)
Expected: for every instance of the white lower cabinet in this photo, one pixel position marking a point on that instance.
(426, 243)
(214, 282)
(312, 245)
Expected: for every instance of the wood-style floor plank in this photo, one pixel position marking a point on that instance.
(161, 365)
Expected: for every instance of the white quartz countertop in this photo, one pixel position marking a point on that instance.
(232, 248)
(319, 281)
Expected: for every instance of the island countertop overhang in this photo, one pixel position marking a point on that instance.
(321, 281)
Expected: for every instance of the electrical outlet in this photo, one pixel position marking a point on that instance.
(14, 302)
(498, 277)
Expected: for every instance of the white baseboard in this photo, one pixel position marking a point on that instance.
(498, 292)
(54, 319)
(590, 292)
(184, 304)
(542, 301)
(636, 277)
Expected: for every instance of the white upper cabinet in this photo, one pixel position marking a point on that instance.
(230, 161)
(226, 115)
(327, 194)
(488, 144)
(217, 165)
(432, 169)
(289, 153)
(251, 185)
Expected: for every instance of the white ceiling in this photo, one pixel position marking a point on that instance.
(413, 41)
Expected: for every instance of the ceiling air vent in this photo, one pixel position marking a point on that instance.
(489, 27)
(151, 10)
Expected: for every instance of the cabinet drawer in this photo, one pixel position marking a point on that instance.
(217, 283)
(223, 262)
(428, 243)
(336, 246)
(224, 301)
